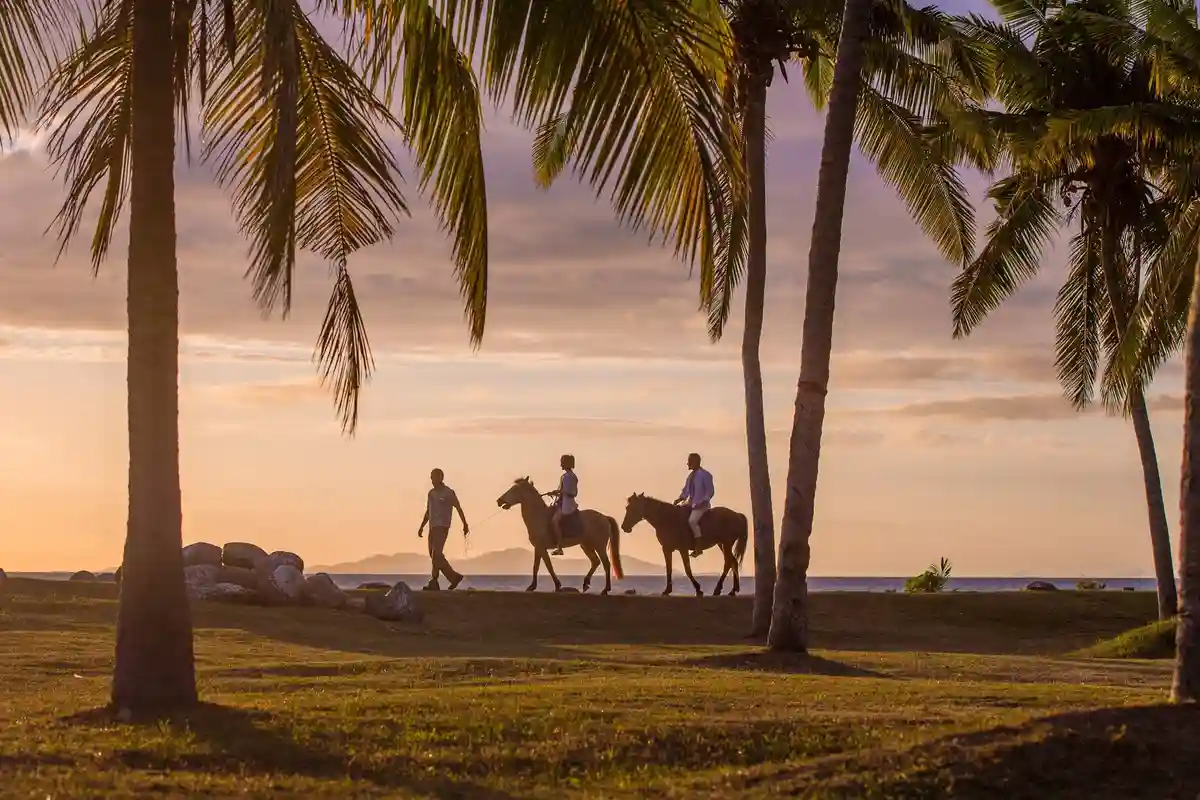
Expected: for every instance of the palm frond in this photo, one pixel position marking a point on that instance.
(295, 132)
(33, 35)
(410, 45)
(88, 110)
(1026, 219)
(894, 140)
(1078, 310)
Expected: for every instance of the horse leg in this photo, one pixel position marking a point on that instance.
(733, 564)
(721, 581)
(607, 571)
(669, 557)
(550, 569)
(537, 561)
(587, 579)
(687, 567)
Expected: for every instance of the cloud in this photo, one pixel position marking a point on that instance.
(565, 426)
(267, 395)
(1013, 408)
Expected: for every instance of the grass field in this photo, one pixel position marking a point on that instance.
(513, 695)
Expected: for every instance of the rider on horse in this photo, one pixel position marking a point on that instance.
(697, 494)
(565, 502)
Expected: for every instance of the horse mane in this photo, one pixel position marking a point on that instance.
(524, 481)
(654, 501)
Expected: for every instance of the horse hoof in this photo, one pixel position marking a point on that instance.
(699, 593)
(604, 593)
(666, 593)
(585, 588)
(531, 587)
(717, 592)
(733, 593)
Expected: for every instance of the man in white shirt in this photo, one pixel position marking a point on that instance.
(697, 495)
(566, 500)
(438, 506)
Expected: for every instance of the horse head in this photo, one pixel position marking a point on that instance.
(521, 489)
(635, 512)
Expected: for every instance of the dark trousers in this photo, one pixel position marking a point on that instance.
(437, 547)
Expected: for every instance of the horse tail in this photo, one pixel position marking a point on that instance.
(739, 547)
(614, 548)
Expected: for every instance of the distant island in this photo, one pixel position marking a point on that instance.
(510, 561)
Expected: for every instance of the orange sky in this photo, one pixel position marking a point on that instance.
(933, 447)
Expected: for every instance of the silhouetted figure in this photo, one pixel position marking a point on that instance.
(697, 494)
(565, 501)
(438, 507)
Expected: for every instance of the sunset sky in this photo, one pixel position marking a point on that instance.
(594, 346)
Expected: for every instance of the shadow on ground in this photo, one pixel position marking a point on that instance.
(1137, 752)
(243, 741)
(787, 663)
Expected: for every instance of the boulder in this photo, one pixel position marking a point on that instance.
(322, 591)
(200, 553)
(117, 576)
(83, 575)
(242, 554)
(200, 580)
(374, 586)
(238, 576)
(1041, 586)
(284, 585)
(3, 578)
(227, 593)
(107, 577)
(398, 605)
(268, 563)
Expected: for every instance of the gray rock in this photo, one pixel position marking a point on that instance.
(320, 590)
(1041, 586)
(242, 554)
(398, 605)
(83, 575)
(200, 553)
(286, 583)
(199, 580)
(374, 585)
(238, 576)
(268, 563)
(107, 577)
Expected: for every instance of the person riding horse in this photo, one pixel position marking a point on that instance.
(697, 494)
(565, 501)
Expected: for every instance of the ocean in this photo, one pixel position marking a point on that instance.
(653, 584)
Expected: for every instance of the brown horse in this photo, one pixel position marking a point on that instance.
(720, 526)
(591, 530)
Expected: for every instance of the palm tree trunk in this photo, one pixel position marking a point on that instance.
(155, 670)
(1121, 300)
(1185, 688)
(1160, 532)
(789, 619)
(756, 426)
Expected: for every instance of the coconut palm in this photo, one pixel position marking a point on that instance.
(29, 36)
(917, 67)
(1052, 73)
(299, 138)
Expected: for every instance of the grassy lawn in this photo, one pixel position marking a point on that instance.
(513, 695)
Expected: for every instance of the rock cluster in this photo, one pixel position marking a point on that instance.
(241, 572)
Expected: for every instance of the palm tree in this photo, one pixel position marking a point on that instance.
(917, 67)
(29, 36)
(297, 135)
(1067, 171)
(789, 617)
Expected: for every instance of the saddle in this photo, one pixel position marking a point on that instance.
(572, 527)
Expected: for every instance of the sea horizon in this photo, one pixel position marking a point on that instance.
(653, 584)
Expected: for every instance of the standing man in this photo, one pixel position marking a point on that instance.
(697, 494)
(440, 502)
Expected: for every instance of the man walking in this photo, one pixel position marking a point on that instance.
(438, 505)
(697, 494)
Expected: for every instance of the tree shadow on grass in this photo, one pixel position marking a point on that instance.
(1147, 751)
(245, 741)
(787, 663)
